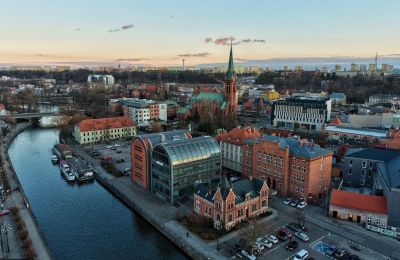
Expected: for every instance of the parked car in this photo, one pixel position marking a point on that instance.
(302, 236)
(341, 253)
(258, 247)
(264, 241)
(107, 158)
(293, 244)
(294, 226)
(301, 255)
(4, 212)
(355, 247)
(331, 251)
(293, 203)
(248, 255)
(302, 205)
(94, 153)
(284, 234)
(273, 239)
(119, 151)
(287, 201)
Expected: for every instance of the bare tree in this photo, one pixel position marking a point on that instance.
(251, 232)
(300, 217)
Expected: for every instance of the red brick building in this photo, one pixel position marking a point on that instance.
(232, 203)
(290, 166)
(141, 148)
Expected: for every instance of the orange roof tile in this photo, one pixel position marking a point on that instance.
(238, 135)
(336, 121)
(358, 201)
(105, 123)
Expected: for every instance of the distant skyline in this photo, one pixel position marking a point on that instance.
(165, 32)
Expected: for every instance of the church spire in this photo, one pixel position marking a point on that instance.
(230, 72)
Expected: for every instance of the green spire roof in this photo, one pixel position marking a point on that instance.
(230, 72)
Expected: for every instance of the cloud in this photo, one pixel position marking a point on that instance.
(223, 41)
(130, 59)
(197, 55)
(227, 41)
(113, 30)
(259, 40)
(128, 26)
(123, 27)
(207, 40)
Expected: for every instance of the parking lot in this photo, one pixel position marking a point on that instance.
(118, 151)
(321, 241)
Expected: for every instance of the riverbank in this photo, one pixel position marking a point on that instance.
(160, 214)
(17, 199)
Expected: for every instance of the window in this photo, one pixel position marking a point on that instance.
(369, 220)
(351, 163)
(264, 203)
(350, 171)
(378, 221)
(230, 218)
(362, 182)
(197, 205)
(363, 173)
(364, 164)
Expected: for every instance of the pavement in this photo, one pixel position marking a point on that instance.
(18, 199)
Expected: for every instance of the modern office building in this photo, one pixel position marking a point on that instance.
(291, 166)
(96, 130)
(141, 149)
(231, 144)
(231, 203)
(177, 166)
(308, 113)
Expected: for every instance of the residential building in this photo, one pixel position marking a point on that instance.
(338, 98)
(354, 67)
(381, 98)
(231, 144)
(357, 207)
(144, 111)
(107, 80)
(308, 113)
(372, 67)
(141, 149)
(177, 166)
(290, 166)
(96, 130)
(387, 67)
(231, 203)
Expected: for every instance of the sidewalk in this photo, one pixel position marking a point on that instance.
(18, 199)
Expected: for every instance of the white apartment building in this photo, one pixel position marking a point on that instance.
(144, 111)
(307, 113)
(107, 80)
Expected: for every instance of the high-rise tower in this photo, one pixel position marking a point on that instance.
(231, 87)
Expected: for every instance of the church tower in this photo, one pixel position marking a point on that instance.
(231, 87)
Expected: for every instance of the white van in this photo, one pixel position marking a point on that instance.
(301, 255)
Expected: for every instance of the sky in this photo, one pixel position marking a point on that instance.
(164, 32)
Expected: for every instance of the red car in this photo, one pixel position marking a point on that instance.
(4, 212)
(107, 158)
(286, 231)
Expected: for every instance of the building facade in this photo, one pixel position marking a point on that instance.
(141, 149)
(96, 130)
(231, 144)
(309, 113)
(144, 111)
(107, 80)
(292, 167)
(231, 203)
(360, 208)
(177, 166)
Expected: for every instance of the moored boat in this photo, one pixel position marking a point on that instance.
(66, 171)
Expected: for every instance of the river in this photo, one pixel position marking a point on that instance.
(81, 221)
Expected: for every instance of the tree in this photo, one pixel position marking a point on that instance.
(300, 217)
(252, 231)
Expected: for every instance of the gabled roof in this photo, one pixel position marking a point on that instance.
(105, 123)
(358, 201)
(240, 188)
(238, 135)
(296, 147)
(390, 171)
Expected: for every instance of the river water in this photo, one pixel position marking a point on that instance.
(81, 221)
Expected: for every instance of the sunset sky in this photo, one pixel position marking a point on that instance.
(164, 32)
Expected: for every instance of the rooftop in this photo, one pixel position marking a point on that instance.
(358, 131)
(372, 154)
(337, 95)
(238, 135)
(105, 123)
(390, 171)
(296, 147)
(358, 201)
(156, 138)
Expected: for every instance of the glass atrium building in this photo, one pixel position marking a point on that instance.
(178, 165)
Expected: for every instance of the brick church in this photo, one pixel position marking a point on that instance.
(227, 101)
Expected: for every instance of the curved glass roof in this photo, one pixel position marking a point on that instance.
(186, 151)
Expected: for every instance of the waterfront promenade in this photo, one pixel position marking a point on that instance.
(160, 214)
(18, 199)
